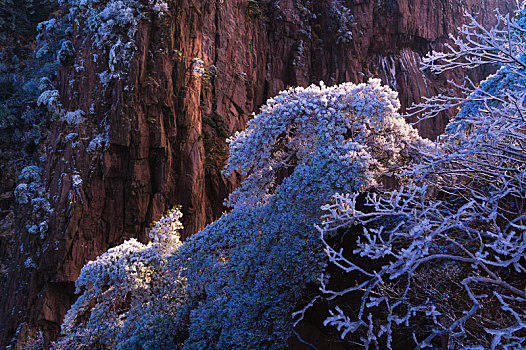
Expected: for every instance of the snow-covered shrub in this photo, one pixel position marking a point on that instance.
(43, 50)
(120, 56)
(51, 40)
(43, 227)
(443, 257)
(32, 229)
(111, 25)
(49, 25)
(7, 119)
(31, 192)
(112, 21)
(50, 99)
(31, 173)
(75, 193)
(75, 117)
(66, 54)
(199, 68)
(33, 135)
(30, 264)
(30, 187)
(343, 22)
(298, 54)
(45, 30)
(22, 194)
(97, 143)
(71, 137)
(45, 84)
(35, 342)
(248, 270)
(128, 299)
(40, 206)
(359, 123)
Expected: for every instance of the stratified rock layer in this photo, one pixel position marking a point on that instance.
(166, 126)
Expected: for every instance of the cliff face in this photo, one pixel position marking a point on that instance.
(155, 138)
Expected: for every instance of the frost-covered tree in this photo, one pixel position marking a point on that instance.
(128, 300)
(247, 271)
(235, 284)
(354, 126)
(443, 257)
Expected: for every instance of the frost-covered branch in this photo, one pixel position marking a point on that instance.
(443, 256)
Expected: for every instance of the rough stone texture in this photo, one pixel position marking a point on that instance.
(166, 126)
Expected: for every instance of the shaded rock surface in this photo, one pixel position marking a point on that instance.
(156, 138)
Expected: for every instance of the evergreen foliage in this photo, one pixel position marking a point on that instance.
(245, 273)
(110, 26)
(128, 298)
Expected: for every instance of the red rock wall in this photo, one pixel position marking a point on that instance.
(166, 126)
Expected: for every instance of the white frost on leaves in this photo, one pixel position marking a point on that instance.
(120, 57)
(357, 124)
(50, 99)
(48, 26)
(126, 293)
(31, 173)
(199, 68)
(97, 144)
(29, 263)
(30, 186)
(112, 26)
(344, 22)
(76, 181)
(71, 137)
(32, 229)
(75, 118)
(43, 228)
(31, 192)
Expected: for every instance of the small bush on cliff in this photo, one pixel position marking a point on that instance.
(111, 26)
(7, 119)
(343, 22)
(66, 54)
(244, 274)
